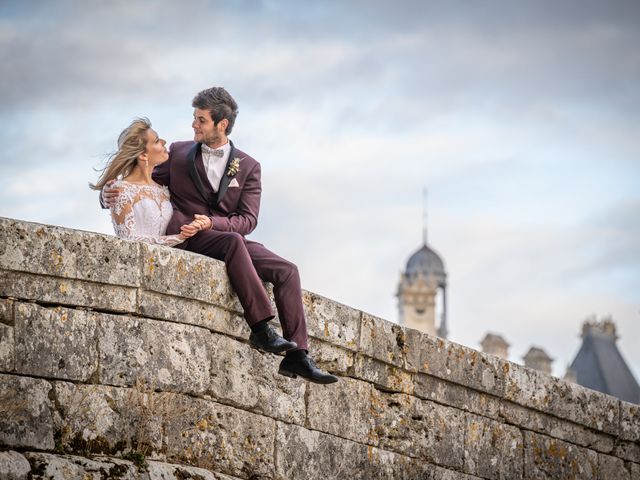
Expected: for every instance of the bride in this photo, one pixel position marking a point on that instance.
(143, 208)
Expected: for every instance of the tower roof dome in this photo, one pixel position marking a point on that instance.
(428, 263)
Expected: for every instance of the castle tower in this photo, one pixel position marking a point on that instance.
(538, 359)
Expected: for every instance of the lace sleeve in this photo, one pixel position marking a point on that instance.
(124, 222)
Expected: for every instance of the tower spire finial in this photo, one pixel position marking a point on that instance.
(424, 215)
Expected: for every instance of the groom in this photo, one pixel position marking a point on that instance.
(209, 176)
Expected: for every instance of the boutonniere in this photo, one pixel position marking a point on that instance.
(234, 167)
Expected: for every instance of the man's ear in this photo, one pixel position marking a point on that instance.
(223, 124)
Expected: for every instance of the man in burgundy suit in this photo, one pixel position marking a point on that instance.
(210, 176)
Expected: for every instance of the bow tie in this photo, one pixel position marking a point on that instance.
(218, 152)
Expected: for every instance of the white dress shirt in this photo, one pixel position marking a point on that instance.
(213, 165)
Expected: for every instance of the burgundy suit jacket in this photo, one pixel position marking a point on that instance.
(237, 207)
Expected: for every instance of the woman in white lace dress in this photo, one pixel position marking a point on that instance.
(143, 208)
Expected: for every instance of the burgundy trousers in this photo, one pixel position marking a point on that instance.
(248, 263)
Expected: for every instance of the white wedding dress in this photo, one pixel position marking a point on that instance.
(142, 213)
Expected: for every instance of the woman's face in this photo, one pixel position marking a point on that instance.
(156, 152)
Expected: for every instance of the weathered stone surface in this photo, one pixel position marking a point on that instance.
(109, 420)
(611, 468)
(419, 428)
(63, 467)
(221, 438)
(47, 250)
(351, 398)
(168, 471)
(383, 340)
(308, 454)
(65, 291)
(549, 458)
(570, 401)
(555, 427)
(244, 377)
(634, 470)
(383, 375)
(492, 450)
(6, 310)
(331, 321)
(25, 416)
(193, 312)
(627, 451)
(331, 358)
(55, 342)
(630, 422)
(7, 349)
(13, 466)
(169, 356)
(440, 391)
(188, 275)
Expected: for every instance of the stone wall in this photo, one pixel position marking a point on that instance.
(127, 360)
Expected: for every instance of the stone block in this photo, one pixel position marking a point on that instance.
(383, 340)
(630, 422)
(168, 471)
(570, 401)
(611, 468)
(169, 356)
(62, 252)
(221, 438)
(249, 379)
(351, 398)
(309, 454)
(114, 420)
(634, 470)
(7, 349)
(463, 398)
(193, 312)
(13, 466)
(187, 275)
(69, 292)
(25, 415)
(492, 450)
(62, 467)
(382, 375)
(55, 342)
(627, 450)
(555, 427)
(6, 307)
(329, 357)
(422, 429)
(331, 321)
(547, 458)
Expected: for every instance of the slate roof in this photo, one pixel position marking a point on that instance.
(599, 365)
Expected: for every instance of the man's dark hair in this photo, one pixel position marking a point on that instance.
(220, 105)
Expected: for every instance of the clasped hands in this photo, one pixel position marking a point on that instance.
(201, 222)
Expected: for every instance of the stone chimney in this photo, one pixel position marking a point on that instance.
(538, 359)
(495, 345)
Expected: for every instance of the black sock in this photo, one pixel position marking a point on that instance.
(296, 354)
(260, 326)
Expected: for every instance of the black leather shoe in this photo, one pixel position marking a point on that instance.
(269, 341)
(306, 368)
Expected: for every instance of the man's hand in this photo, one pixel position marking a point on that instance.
(201, 222)
(110, 194)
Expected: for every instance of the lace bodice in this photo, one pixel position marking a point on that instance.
(142, 213)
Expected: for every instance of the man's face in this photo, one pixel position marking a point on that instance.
(204, 130)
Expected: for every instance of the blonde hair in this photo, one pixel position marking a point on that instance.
(132, 142)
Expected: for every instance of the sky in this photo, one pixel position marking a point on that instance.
(522, 119)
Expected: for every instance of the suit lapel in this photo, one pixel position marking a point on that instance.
(226, 179)
(198, 173)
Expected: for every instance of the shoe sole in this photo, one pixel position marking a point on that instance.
(282, 350)
(289, 374)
